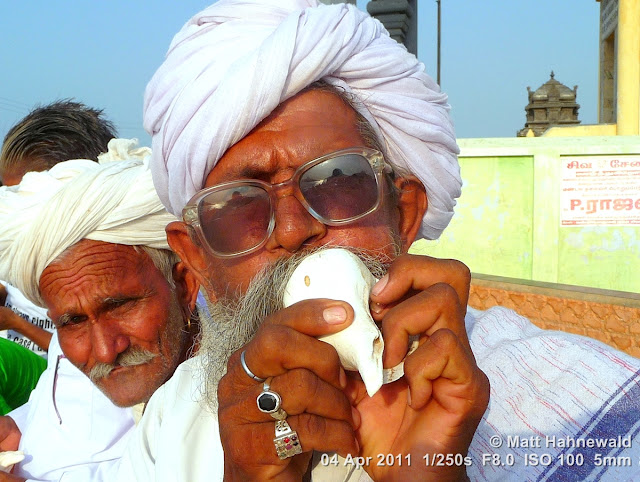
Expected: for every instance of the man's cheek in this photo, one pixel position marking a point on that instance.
(229, 281)
(75, 349)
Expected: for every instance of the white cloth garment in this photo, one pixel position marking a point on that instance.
(177, 438)
(71, 432)
(233, 63)
(547, 387)
(30, 312)
(112, 201)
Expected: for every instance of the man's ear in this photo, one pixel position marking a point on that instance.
(412, 204)
(187, 285)
(192, 255)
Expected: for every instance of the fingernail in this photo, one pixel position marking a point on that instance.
(379, 286)
(335, 315)
(343, 379)
(409, 396)
(376, 307)
(356, 418)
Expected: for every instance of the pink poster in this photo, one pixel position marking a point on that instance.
(600, 191)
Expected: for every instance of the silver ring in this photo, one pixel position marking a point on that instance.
(243, 362)
(270, 402)
(286, 441)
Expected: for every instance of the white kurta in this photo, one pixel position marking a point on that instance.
(546, 387)
(177, 438)
(72, 433)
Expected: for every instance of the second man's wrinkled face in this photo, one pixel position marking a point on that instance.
(118, 319)
(309, 125)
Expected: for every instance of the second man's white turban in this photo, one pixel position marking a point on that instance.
(112, 200)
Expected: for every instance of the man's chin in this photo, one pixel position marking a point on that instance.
(124, 400)
(116, 389)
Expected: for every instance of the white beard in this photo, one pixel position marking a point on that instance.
(232, 323)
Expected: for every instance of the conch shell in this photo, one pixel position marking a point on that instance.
(7, 459)
(339, 274)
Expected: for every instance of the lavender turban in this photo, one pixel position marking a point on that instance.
(233, 63)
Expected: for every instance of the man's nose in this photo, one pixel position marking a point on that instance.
(294, 226)
(107, 342)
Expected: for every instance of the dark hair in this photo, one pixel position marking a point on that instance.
(54, 133)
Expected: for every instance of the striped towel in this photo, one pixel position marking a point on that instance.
(563, 406)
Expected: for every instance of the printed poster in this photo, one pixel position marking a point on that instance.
(600, 191)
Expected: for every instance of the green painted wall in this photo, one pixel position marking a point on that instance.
(607, 257)
(492, 228)
(507, 221)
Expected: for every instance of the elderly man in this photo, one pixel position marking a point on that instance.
(264, 163)
(47, 135)
(87, 241)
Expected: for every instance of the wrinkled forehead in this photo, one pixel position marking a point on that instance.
(94, 265)
(310, 124)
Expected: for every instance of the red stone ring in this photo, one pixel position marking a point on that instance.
(286, 441)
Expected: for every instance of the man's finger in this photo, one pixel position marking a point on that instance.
(256, 446)
(300, 391)
(315, 317)
(417, 273)
(277, 349)
(438, 307)
(442, 368)
(303, 392)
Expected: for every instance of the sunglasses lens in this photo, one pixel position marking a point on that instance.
(340, 188)
(239, 217)
(236, 219)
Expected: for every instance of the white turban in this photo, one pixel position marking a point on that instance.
(79, 199)
(233, 63)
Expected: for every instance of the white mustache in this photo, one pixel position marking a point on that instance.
(132, 357)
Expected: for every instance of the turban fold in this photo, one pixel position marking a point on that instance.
(112, 200)
(233, 63)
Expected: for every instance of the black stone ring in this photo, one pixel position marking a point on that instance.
(269, 402)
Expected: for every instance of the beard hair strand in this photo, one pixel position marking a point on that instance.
(229, 324)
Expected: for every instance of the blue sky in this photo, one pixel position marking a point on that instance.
(104, 53)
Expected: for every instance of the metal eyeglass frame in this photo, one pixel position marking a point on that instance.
(190, 213)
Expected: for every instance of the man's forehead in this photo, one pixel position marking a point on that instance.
(308, 125)
(93, 260)
(87, 250)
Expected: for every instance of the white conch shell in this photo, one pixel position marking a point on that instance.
(339, 274)
(7, 459)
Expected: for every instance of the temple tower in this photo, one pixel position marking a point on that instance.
(552, 104)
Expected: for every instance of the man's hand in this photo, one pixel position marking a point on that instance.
(9, 434)
(12, 321)
(307, 374)
(435, 408)
(3, 294)
(4, 477)
(7, 318)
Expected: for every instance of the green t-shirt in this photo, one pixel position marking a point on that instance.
(20, 370)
